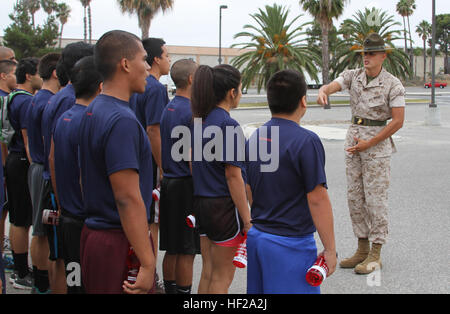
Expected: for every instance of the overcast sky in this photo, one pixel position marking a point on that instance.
(196, 22)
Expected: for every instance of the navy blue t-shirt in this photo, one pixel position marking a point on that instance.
(57, 105)
(67, 167)
(280, 204)
(111, 140)
(18, 117)
(3, 93)
(149, 106)
(209, 160)
(177, 113)
(35, 143)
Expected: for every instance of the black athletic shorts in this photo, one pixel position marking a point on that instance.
(53, 232)
(16, 174)
(71, 228)
(218, 219)
(177, 196)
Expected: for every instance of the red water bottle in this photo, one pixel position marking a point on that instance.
(156, 194)
(133, 265)
(240, 258)
(190, 221)
(318, 272)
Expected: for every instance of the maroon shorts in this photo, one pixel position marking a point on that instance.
(103, 255)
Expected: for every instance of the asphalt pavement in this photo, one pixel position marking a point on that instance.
(415, 258)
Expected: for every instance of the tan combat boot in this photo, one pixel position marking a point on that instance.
(372, 262)
(361, 254)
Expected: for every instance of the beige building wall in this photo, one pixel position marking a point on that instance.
(418, 65)
(201, 55)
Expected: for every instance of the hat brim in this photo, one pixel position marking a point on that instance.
(380, 49)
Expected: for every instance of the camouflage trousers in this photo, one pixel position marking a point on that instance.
(368, 178)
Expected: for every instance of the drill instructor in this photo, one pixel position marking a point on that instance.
(376, 97)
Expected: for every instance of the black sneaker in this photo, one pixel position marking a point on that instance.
(25, 283)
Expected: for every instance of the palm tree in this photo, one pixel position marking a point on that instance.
(275, 45)
(424, 31)
(324, 11)
(90, 21)
(406, 8)
(412, 7)
(49, 6)
(145, 10)
(402, 9)
(85, 3)
(33, 6)
(62, 13)
(87, 19)
(357, 29)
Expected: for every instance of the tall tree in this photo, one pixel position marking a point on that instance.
(424, 31)
(85, 3)
(87, 20)
(49, 6)
(27, 40)
(402, 9)
(62, 13)
(324, 11)
(357, 29)
(443, 37)
(406, 8)
(275, 44)
(32, 6)
(90, 21)
(412, 7)
(145, 10)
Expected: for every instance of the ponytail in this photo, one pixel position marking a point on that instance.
(211, 86)
(202, 97)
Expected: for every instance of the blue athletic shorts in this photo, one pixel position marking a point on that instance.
(278, 265)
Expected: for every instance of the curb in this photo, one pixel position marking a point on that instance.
(319, 106)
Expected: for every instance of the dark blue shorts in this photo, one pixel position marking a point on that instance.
(278, 265)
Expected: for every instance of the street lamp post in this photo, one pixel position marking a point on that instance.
(433, 117)
(433, 57)
(222, 7)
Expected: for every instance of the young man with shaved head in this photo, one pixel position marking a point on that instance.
(180, 242)
(7, 54)
(116, 172)
(8, 83)
(16, 169)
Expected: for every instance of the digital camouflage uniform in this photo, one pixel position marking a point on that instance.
(368, 172)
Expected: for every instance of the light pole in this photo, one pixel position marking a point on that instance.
(433, 110)
(433, 57)
(222, 7)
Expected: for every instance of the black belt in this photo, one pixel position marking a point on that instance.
(368, 122)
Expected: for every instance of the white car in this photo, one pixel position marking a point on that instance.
(170, 85)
